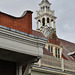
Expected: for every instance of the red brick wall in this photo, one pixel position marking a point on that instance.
(23, 24)
(54, 39)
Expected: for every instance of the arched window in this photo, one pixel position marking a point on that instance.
(39, 24)
(48, 8)
(48, 21)
(43, 7)
(52, 23)
(43, 21)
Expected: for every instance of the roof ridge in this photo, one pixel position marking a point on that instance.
(45, 1)
(24, 13)
(65, 47)
(66, 41)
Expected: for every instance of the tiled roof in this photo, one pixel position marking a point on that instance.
(69, 45)
(24, 13)
(66, 45)
(39, 34)
(46, 52)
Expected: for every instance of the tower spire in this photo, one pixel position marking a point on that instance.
(45, 1)
(45, 16)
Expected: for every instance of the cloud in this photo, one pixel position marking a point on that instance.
(64, 10)
(65, 23)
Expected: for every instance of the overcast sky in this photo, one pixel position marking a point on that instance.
(64, 11)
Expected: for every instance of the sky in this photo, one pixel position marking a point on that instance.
(64, 11)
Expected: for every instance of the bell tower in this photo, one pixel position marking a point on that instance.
(45, 18)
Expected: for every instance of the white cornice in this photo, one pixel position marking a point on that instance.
(30, 39)
(22, 43)
(49, 71)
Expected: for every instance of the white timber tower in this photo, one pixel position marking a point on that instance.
(45, 18)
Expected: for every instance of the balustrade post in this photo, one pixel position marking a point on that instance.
(62, 64)
(40, 62)
(37, 25)
(41, 23)
(46, 21)
(50, 22)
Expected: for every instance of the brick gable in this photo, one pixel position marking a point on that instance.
(23, 23)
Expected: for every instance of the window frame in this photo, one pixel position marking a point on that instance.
(50, 49)
(57, 52)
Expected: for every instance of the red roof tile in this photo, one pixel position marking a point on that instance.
(66, 45)
(39, 34)
(45, 51)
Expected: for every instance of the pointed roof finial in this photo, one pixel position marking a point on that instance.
(45, 1)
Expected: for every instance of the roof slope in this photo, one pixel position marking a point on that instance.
(66, 45)
(69, 45)
(46, 52)
(39, 34)
(24, 13)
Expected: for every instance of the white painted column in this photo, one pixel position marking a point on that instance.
(45, 9)
(50, 22)
(54, 24)
(28, 69)
(37, 25)
(45, 21)
(19, 70)
(53, 50)
(39, 62)
(62, 64)
(53, 12)
(60, 52)
(41, 23)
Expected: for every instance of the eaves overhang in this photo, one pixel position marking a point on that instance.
(22, 43)
(47, 15)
